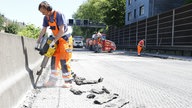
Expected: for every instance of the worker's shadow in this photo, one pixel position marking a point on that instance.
(30, 72)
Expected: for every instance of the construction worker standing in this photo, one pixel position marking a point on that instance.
(140, 46)
(60, 61)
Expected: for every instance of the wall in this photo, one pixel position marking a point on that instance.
(170, 31)
(136, 5)
(161, 6)
(151, 8)
(18, 65)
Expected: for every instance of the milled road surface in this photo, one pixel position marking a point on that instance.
(146, 82)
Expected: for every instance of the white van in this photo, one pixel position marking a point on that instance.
(78, 41)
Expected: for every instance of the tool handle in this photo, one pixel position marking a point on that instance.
(44, 62)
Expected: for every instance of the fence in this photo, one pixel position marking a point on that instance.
(169, 31)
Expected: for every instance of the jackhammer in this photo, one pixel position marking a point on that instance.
(47, 51)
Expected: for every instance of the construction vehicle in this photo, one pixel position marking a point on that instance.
(44, 49)
(98, 43)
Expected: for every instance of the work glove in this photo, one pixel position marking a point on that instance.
(52, 44)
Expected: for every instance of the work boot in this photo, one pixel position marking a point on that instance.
(51, 82)
(67, 84)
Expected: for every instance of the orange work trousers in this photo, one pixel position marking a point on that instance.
(139, 49)
(60, 60)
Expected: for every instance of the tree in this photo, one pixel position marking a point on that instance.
(188, 1)
(1, 22)
(111, 13)
(30, 31)
(115, 13)
(91, 11)
(12, 28)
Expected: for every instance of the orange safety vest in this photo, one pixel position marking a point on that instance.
(55, 29)
(53, 25)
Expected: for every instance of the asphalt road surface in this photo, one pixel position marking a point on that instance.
(145, 82)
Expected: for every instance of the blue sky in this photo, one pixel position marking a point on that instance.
(27, 10)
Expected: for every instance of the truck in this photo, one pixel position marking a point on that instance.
(98, 43)
(78, 41)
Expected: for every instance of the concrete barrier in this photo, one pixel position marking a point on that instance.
(18, 65)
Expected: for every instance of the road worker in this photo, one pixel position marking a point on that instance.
(60, 61)
(99, 35)
(140, 46)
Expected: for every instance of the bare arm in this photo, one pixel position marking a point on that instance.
(60, 33)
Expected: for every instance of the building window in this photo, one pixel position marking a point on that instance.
(135, 13)
(129, 2)
(141, 10)
(129, 16)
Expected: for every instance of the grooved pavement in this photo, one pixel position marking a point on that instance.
(146, 82)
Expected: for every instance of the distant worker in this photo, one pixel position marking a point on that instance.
(99, 35)
(60, 61)
(140, 46)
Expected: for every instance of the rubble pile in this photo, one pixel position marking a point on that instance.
(100, 96)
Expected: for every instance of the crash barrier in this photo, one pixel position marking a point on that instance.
(18, 65)
(170, 32)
